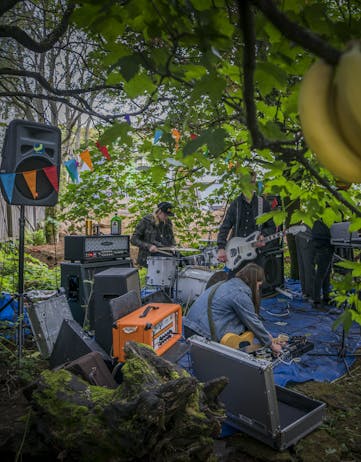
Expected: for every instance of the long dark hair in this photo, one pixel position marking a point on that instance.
(251, 274)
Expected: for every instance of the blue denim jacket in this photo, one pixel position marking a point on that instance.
(232, 312)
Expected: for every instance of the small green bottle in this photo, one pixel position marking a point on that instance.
(115, 225)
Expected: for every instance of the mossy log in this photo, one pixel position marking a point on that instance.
(158, 413)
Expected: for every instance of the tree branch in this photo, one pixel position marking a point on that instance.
(28, 42)
(6, 5)
(249, 58)
(325, 183)
(298, 34)
(56, 91)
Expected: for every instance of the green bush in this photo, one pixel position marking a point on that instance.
(35, 237)
(37, 275)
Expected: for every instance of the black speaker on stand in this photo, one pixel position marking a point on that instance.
(29, 148)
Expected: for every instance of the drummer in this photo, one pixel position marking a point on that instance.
(154, 231)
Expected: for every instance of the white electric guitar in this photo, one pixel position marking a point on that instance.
(239, 249)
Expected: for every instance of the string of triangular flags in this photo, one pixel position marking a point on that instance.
(8, 180)
(72, 165)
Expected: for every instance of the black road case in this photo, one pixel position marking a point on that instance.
(273, 414)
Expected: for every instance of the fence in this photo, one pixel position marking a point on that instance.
(9, 219)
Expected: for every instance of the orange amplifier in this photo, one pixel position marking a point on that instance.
(156, 324)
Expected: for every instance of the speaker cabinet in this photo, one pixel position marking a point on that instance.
(273, 265)
(72, 343)
(46, 318)
(30, 146)
(109, 284)
(77, 280)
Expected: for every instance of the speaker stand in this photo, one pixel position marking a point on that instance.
(20, 294)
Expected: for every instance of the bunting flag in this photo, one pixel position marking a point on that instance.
(52, 175)
(85, 156)
(176, 136)
(193, 136)
(259, 187)
(39, 148)
(72, 167)
(30, 178)
(157, 136)
(274, 203)
(103, 150)
(8, 181)
(127, 118)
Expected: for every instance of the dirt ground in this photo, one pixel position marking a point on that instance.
(337, 439)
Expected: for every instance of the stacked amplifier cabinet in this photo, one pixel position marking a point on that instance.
(158, 325)
(273, 414)
(88, 256)
(96, 248)
(109, 284)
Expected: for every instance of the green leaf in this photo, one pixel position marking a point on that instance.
(269, 76)
(211, 85)
(139, 85)
(202, 5)
(355, 225)
(115, 132)
(128, 66)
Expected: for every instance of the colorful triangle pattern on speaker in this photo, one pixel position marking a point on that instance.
(52, 176)
(8, 181)
(30, 178)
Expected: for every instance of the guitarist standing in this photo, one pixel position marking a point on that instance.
(240, 221)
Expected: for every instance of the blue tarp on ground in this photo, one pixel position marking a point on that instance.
(10, 312)
(9, 315)
(297, 317)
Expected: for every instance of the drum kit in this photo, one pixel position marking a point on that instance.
(184, 277)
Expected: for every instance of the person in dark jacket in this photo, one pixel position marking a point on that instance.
(234, 308)
(240, 221)
(323, 253)
(155, 230)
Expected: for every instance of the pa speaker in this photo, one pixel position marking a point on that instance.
(77, 280)
(31, 147)
(273, 266)
(73, 342)
(109, 284)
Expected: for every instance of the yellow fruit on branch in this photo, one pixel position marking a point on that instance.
(347, 94)
(319, 124)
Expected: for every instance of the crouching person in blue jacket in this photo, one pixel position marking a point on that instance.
(231, 307)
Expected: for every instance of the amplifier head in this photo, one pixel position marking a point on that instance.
(96, 248)
(158, 325)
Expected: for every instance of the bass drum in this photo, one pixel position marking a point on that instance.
(161, 271)
(194, 280)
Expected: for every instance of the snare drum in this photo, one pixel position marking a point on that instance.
(192, 281)
(161, 271)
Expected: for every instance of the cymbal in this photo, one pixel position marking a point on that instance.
(179, 249)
